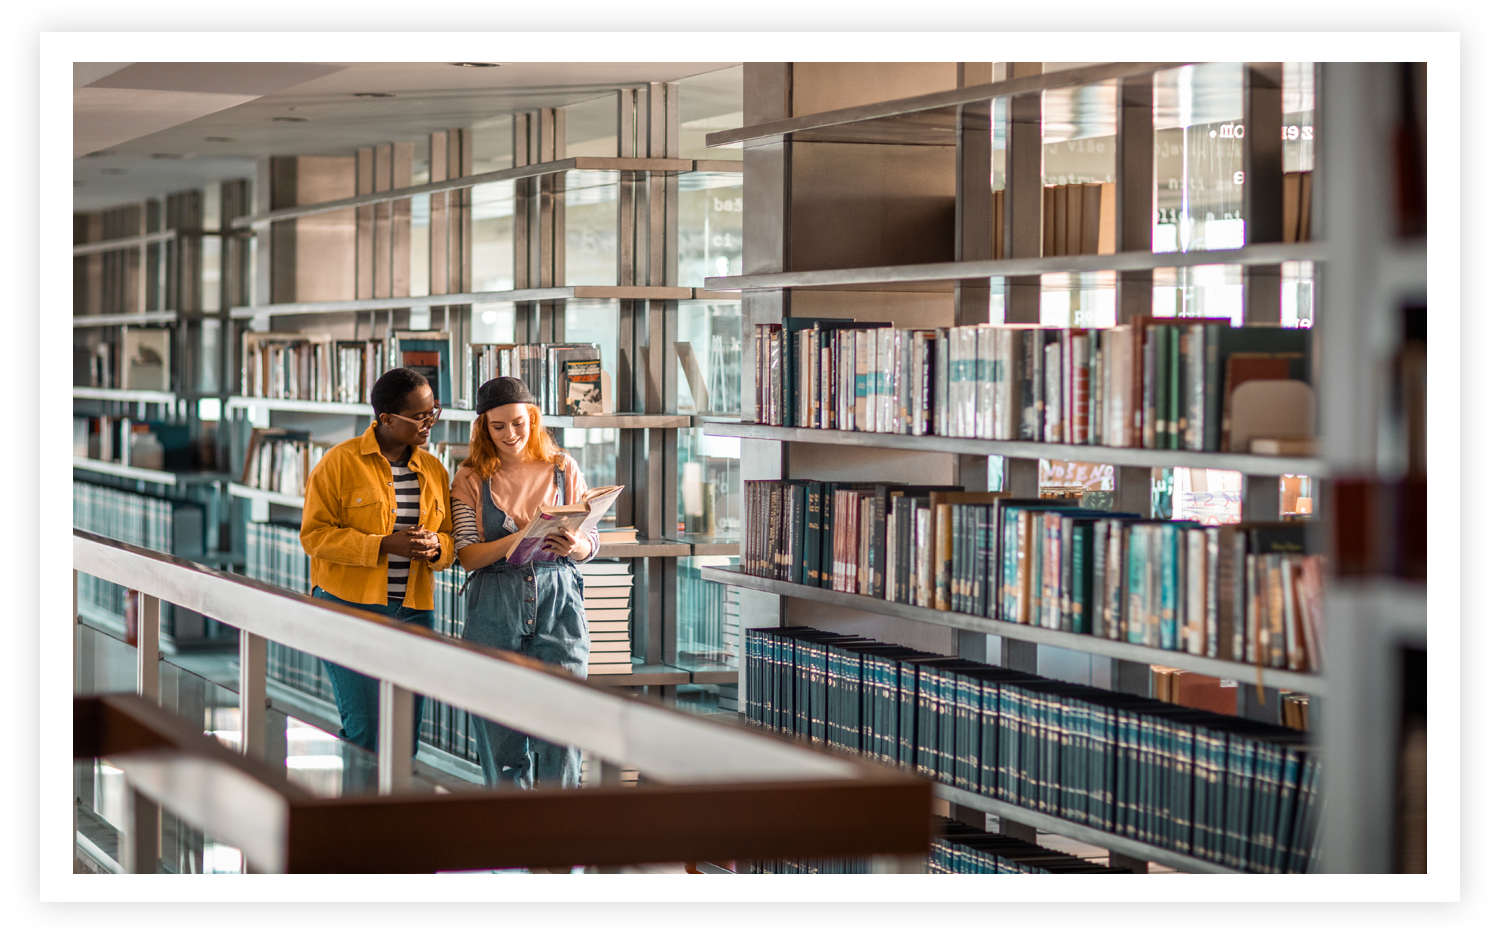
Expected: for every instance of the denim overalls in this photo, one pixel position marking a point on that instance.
(535, 609)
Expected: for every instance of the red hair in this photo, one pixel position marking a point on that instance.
(484, 458)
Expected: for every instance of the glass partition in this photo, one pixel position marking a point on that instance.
(708, 614)
(708, 356)
(493, 210)
(593, 127)
(598, 322)
(592, 205)
(710, 102)
(710, 220)
(596, 451)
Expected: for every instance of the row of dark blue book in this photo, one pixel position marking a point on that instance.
(957, 849)
(1222, 789)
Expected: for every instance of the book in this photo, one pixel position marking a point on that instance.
(146, 359)
(582, 388)
(427, 353)
(579, 517)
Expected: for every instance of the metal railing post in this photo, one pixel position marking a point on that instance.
(252, 695)
(148, 648)
(142, 851)
(395, 738)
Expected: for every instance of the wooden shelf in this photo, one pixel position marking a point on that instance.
(272, 497)
(600, 421)
(645, 549)
(709, 673)
(943, 275)
(653, 675)
(1078, 831)
(127, 242)
(1305, 682)
(1071, 77)
(300, 406)
(570, 292)
(150, 475)
(579, 163)
(618, 421)
(124, 319)
(1145, 458)
(120, 394)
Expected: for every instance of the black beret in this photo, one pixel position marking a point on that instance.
(497, 392)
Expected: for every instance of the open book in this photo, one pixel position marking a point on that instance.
(580, 517)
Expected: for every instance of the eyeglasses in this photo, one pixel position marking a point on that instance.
(425, 419)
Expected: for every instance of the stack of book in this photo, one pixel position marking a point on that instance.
(606, 610)
(565, 377)
(1219, 788)
(280, 460)
(1247, 592)
(1155, 383)
(163, 524)
(360, 363)
(957, 849)
(961, 849)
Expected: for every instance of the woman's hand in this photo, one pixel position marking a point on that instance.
(565, 544)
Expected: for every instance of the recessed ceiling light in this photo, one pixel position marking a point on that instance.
(165, 155)
(475, 64)
(288, 119)
(217, 139)
(374, 95)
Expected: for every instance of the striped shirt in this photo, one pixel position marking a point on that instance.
(408, 487)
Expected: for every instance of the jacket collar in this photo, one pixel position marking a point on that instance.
(369, 445)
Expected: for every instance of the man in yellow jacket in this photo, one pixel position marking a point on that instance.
(376, 526)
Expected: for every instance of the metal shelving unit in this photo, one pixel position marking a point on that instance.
(124, 319)
(124, 396)
(1353, 265)
(644, 295)
(148, 475)
(1079, 642)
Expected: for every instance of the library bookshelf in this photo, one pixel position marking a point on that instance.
(632, 295)
(885, 160)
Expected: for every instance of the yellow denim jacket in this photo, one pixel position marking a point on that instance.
(351, 504)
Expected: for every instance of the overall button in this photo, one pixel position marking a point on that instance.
(528, 577)
(531, 600)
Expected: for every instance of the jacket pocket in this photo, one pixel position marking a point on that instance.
(363, 509)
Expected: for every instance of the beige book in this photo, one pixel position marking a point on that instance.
(1107, 218)
(1291, 203)
(998, 223)
(1049, 220)
(1304, 209)
(1072, 233)
(1098, 233)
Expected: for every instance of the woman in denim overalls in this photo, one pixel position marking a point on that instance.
(536, 609)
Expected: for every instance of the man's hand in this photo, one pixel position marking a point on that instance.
(412, 543)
